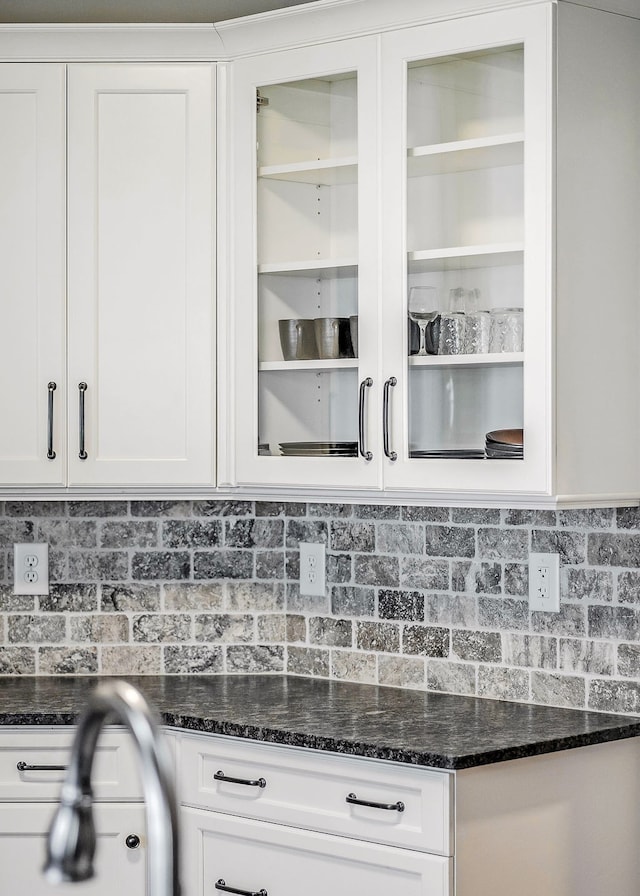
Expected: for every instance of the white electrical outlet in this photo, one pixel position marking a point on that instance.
(544, 582)
(312, 569)
(31, 568)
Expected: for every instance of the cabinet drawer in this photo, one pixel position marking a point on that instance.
(114, 776)
(252, 856)
(309, 789)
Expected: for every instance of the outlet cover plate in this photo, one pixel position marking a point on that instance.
(312, 569)
(544, 582)
(31, 568)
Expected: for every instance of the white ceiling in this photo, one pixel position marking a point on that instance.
(67, 11)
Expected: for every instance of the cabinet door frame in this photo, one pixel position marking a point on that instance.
(42, 345)
(532, 27)
(189, 459)
(245, 466)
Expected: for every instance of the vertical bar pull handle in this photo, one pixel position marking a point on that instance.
(364, 385)
(82, 388)
(392, 381)
(50, 452)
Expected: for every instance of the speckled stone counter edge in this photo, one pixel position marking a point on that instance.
(416, 728)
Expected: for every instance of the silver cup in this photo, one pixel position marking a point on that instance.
(353, 331)
(333, 337)
(297, 339)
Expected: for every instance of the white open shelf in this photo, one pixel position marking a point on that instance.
(327, 172)
(466, 155)
(487, 359)
(314, 267)
(314, 364)
(463, 257)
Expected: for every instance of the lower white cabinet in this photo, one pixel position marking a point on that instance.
(32, 768)
(119, 869)
(268, 820)
(264, 819)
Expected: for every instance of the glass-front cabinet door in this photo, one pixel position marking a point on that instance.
(393, 283)
(307, 308)
(466, 150)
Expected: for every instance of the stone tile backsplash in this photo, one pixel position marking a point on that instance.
(417, 597)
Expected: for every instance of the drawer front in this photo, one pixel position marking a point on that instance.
(310, 789)
(114, 776)
(252, 856)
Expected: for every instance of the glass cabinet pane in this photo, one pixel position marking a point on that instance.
(307, 238)
(465, 255)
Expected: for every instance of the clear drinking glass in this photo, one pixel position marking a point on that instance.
(506, 330)
(423, 307)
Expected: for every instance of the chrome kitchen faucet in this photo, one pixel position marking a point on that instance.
(72, 838)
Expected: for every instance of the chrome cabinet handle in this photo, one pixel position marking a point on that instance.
(25, 767)
(132, 841)
(82, 388)
(392, 381)
(220, 885)
(50, 452)
(392, 807)
(364, 385)
(258, 782)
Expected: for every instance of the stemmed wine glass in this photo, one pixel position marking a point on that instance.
(423, 307)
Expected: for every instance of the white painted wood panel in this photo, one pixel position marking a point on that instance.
(23, 829)
(140, 273)
(598, 267)
(308, 789)
(562, 824)
(251, 855)
(115, 773)
(32, 271)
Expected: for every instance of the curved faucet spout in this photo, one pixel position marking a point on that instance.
(72, 840)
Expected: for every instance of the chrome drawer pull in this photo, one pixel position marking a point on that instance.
(393, 807)
(25, 767)
(51, 455)
(364, 385)
(82, 388)
(392, 455)
(260, 782)
(220, 885)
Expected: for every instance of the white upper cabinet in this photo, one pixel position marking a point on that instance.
(467, 200)
(305, 309)
(107, 367)
(32, 274)
(141, 403)
(445, 178)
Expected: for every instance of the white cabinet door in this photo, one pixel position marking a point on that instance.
(141, 149)
(23, 829)
(250, 856)
(32, 273)
(468, 151)
(305, 399)
(441, 180)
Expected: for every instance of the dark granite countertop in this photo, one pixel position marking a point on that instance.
(428, 729)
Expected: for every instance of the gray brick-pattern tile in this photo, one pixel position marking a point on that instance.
(416, 596)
